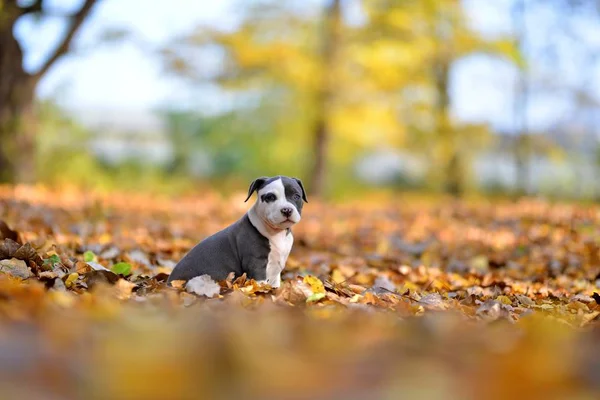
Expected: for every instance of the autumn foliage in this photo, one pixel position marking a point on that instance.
(381, 299)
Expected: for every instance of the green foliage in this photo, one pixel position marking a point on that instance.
(315, 297)
(121, 268)
(52, 260)
(63, 155)
(385, 86)
(89, 256)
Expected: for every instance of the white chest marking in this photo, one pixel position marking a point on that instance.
(281, 245)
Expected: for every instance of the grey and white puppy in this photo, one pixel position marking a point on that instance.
(258, 244)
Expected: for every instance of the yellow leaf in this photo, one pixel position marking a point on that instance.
(71, 279)
(368, 298)
(337, 276)
(409, 286)
(363, 279)
(504, 300)
(105, 238)
(124, 288)
(315, 284)
(178, 284)
(355, 298)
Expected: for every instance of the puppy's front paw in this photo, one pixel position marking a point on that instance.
(275, 281)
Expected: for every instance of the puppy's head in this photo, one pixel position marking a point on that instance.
(279, 201)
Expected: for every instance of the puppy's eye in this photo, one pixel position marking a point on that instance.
(296, 196)
(269, 197)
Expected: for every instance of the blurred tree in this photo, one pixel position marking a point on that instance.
(432, 36)
(226, 145)
(330, 49)
(60, 161)
(183, 128)
(359, 84)
(17, 86)
(301, 66)
(550, 51)
(522, 144)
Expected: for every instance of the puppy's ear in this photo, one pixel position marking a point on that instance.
(303, 191)
(256, 185)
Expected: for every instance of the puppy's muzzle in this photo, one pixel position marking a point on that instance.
(287, 212)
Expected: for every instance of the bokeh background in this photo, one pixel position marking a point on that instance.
(440, 96)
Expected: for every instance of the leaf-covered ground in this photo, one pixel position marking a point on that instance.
(380, 300)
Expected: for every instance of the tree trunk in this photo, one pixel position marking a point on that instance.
(16, 108)
(453, 174)
(317, 185)
(330, 44)
(17, 90)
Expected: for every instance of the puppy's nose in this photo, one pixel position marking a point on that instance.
(287, 212)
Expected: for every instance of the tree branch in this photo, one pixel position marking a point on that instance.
(35, 7)
(76, 22)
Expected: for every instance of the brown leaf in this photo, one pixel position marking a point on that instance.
(28, 253)
(124, 288)
(229, 280)
(81, 267)
(338, 289)
(240, 281)
(357, 289)
(8, 248)
(7, 233)
(49, 275)
(433, 301)
(178, 284)
(94, 277)
(161, 277)
(292, 293)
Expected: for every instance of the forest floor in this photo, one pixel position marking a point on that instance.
(380, 299)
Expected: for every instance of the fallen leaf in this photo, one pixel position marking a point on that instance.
(433, 301)
(51, 261)
(71, 279)
(124, 288)
(121, 268)
(100, 276)
(7, 233)
(178, 284)
(384, 282)
(504, 300)
(96, 266)
(315, 284)
(315, 297)
(28, 253)
(525, 300)
(8, 248)
(89, 256)
(337, 276)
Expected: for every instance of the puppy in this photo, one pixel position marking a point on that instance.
(258, 244)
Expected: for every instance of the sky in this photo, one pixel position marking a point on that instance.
(123, 76)
(115, 76)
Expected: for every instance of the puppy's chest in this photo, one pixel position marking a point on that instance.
(281, 245)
